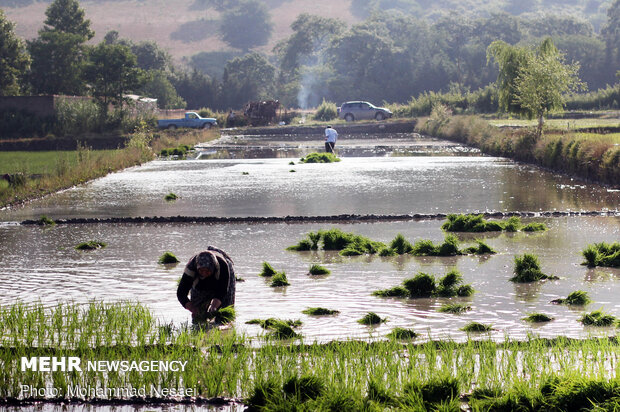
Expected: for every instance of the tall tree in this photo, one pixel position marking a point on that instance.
(14, 61)
(611, 34)
(533, 82)
(58, 54)
(250, 77)
(112, 72)
(246, 25)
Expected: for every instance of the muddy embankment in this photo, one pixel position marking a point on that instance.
(343, 129)
(344, 218)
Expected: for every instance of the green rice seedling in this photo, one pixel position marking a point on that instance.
(352, 250)
(527, 269)
(304, 387)
(493, 226)
(435, 393)
(395, 292)
(423, 247)
(534, 227)
(371, 318)
(45, 221)
(302, 246)
(401, 245)
(292, 171)
(168, 258)
(171, 197)
(577, 298)
(538, 318)
(421, 285)
(315, 238)
(320, 158)
(598, 318)
(239, 279)
(386, 251)
(378, 393)
(513, 224)
(264, 392)
(291, 163)
(464, 223)
(450, 246)
(336, 239)
(602, 254)
(224, 315)
(402, 334)
(270, 322)
(455, 308)
(281, 330)
(245, 173)
(268, 270)
(465, 290)
(317, 270)
(319, 312)
(90, 245)
(476, 327)
(480, 249)
(279, 279)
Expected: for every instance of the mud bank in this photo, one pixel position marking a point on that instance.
(343, 129)
(312, 219)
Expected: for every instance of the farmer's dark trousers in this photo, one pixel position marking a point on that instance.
(329, 147)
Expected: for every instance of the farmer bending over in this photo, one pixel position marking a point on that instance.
(209, 278)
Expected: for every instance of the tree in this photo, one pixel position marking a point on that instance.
(246, 78)
(158, 86)
(611, 35)
(541, 82)
(14, 61)
(58, 53)
(247, 25)
(112, 72)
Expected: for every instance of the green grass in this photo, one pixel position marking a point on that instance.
(602, 254)
(319, 312)
(279, 279)
(598, 318)
(320, 158)
(455, 308)
(268, 270)
(578, 298)
(90, 245)
(170, 197)
(476, 327)
(477, 223)
(424, 285)
(317, 270)
(379, 374)
(527, 269)
(371, 318)
(538, 318)
(46, 221)
(168, 258)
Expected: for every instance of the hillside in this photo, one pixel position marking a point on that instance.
(184, 28)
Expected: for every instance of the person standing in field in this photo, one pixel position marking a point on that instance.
(331, 135)
(209, 278)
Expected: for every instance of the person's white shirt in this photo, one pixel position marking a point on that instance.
(331, 135)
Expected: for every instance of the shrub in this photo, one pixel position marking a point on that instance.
(168, 258)
(326, 111)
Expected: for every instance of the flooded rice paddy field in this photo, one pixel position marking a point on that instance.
(41, 264)
(127, 269)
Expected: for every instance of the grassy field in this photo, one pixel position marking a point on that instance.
(568, 124)
(44, 162)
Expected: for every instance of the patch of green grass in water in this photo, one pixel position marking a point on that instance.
(168, 258)
(577, 298)
(320, 158)
(602, 254)
(477, 223)
(170, 197)
(449, 247)
(319, 311)
(268, 270)
(424, 285)
(527, 269)
(317, 270)
(90, 245)
(279, 279)
(598, 318)
(538, 318)
(401, 245)
(455, 308)
(480, 249)
(395, 292)
(371, 318)
(476, 327)
(349, 244)
(402, 334)
(45, 221)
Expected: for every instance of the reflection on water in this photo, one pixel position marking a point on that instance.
(128, 269)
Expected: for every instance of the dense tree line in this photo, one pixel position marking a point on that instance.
(390, 56)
